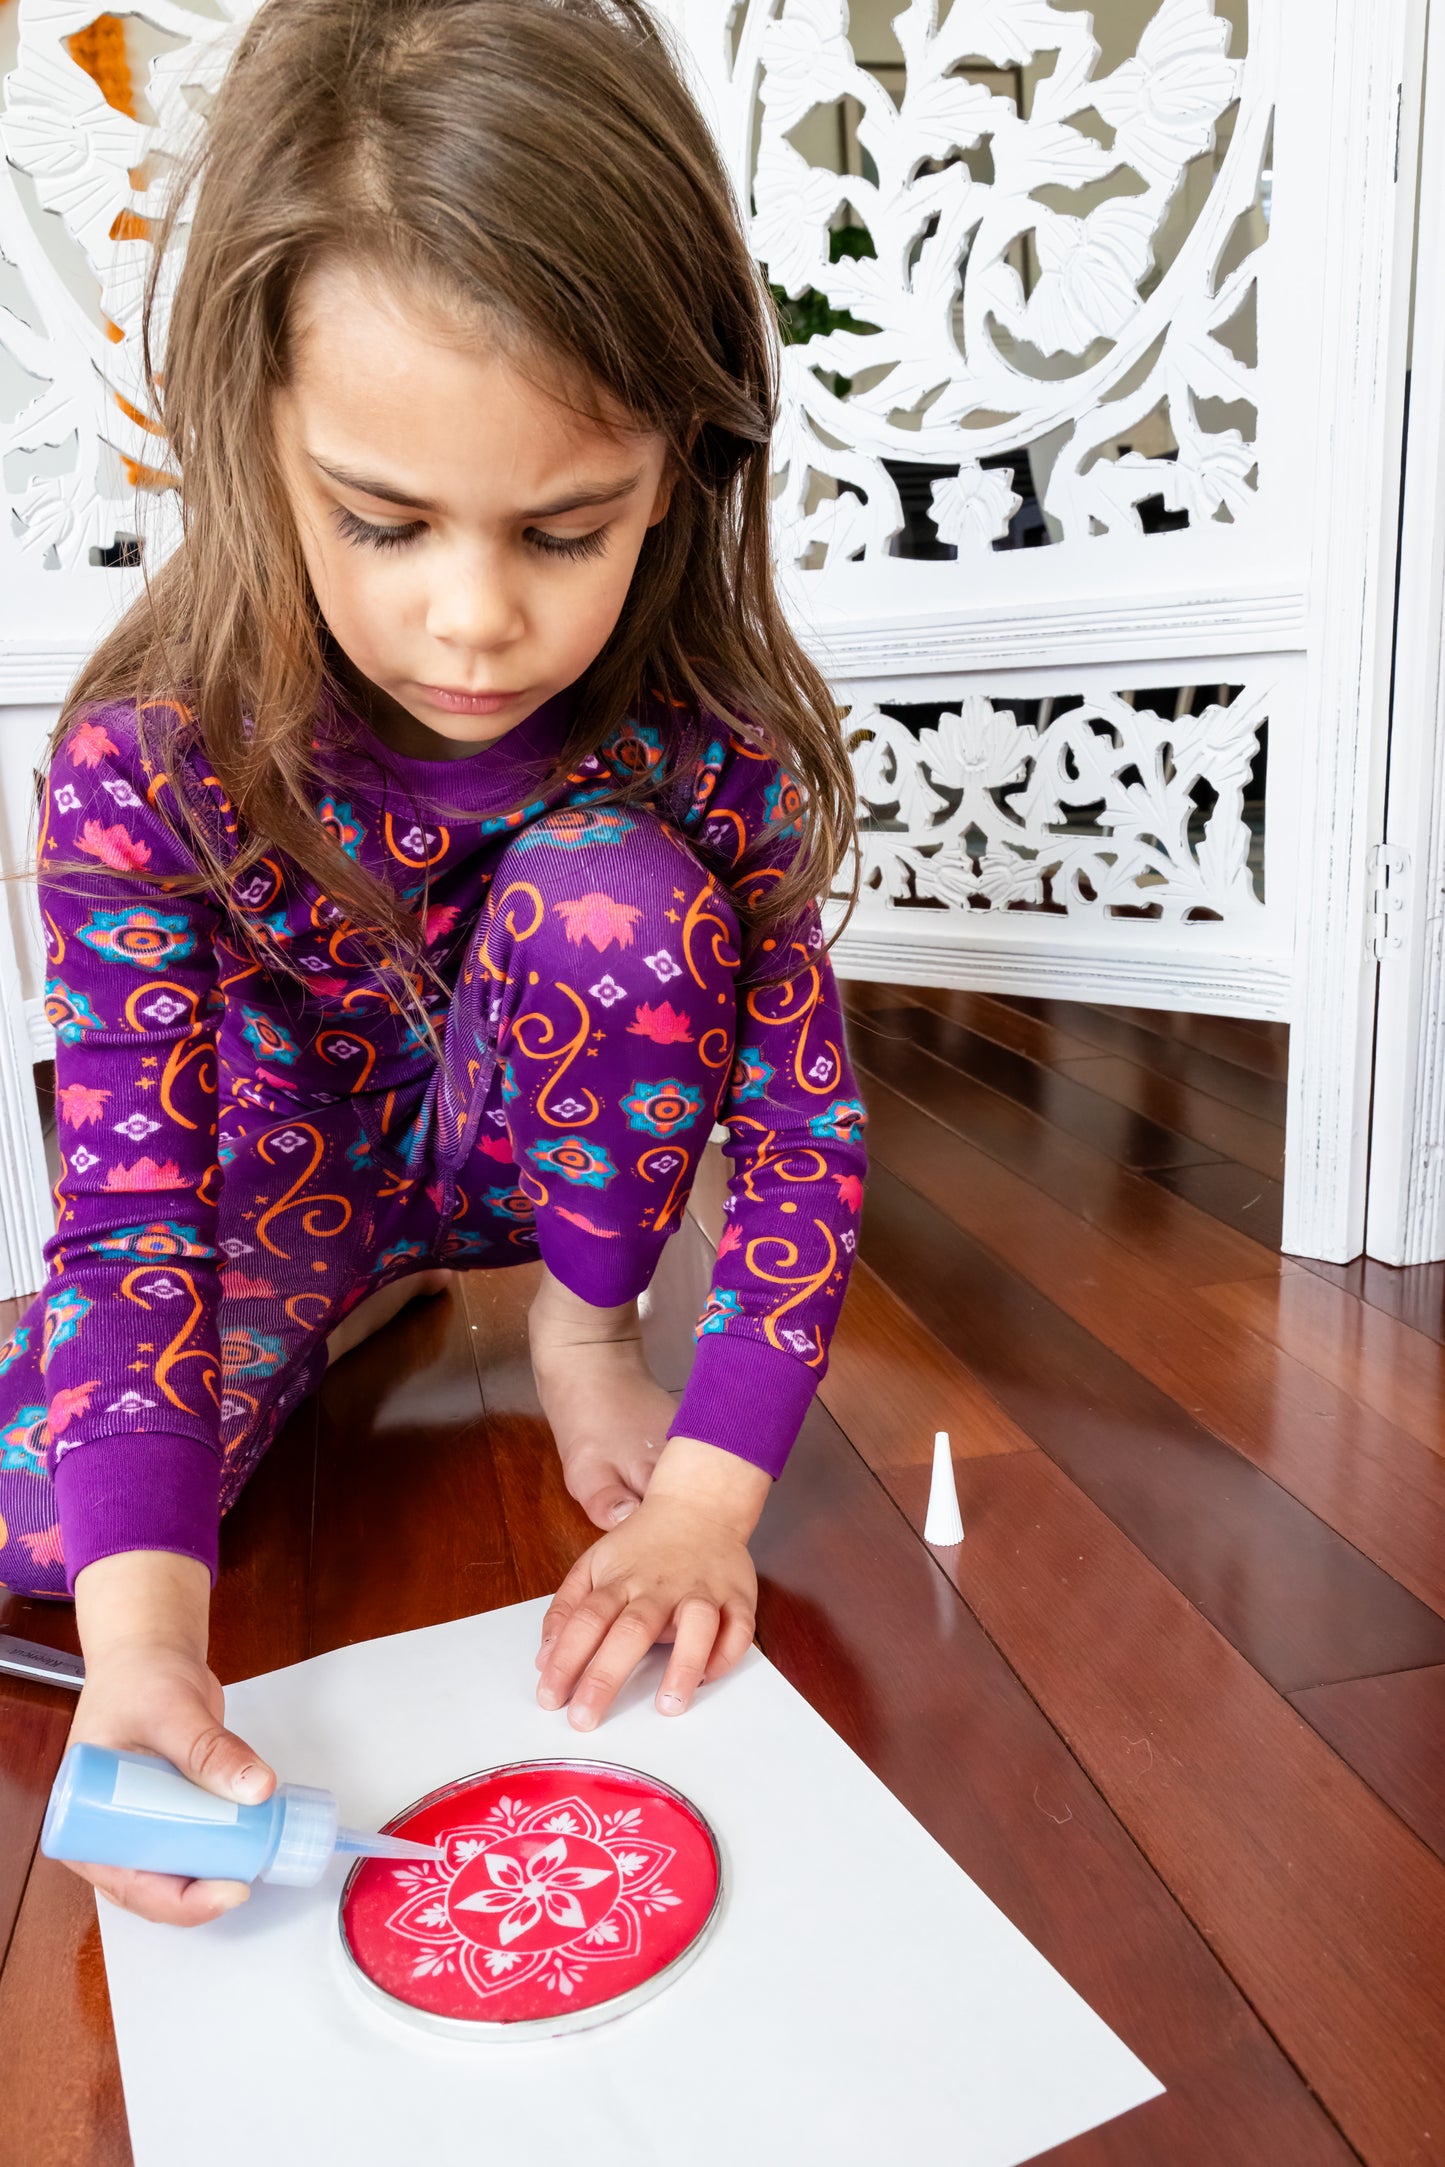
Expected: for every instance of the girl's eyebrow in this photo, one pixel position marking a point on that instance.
(576, 502)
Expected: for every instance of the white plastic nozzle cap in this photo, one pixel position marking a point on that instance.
(944, 1524)
(307, 1839)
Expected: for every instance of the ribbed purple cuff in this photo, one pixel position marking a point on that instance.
(745, 1397)
(151, 1491)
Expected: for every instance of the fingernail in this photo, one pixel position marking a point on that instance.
(230, 1894)
(548, 1697)
(247, 1785)
(583, 1719)
(549, 1642)
(670, 1704)
(622, 1512)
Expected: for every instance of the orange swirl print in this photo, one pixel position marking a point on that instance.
(721, 940)
(310, 1207)
(296, 1307)
(176, 1351)
(499, 912)
(805, 1284)
(410, 858)
(664, 1152)
(348, 1044)
(715, 1048)
(198, 1052)
(544, 1049)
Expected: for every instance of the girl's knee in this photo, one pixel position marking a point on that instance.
(614, 879)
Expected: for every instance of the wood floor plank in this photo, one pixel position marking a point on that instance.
(1096, 1029)
(1249, 1041)
(1236, 1196)
(1392, 1732)
(1371, 1482)
(1184, 1111)
(883, 1363)
(1415, 1294)
(1326, 1911)
(1172, 1238)
(410, 1528)
(882, 1358)
(1130, 1138)
(1023, 1033)
(1300, 1602)
(856, 1615)
(1370, 1355)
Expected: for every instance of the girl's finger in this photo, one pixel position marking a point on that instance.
(697, 1629)
(614, 1663)
(577, 1643)
(563, 1603)
(733, 1641)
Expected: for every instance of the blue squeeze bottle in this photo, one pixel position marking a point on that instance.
(134, 1809)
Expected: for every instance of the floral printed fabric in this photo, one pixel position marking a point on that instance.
(255, 1132)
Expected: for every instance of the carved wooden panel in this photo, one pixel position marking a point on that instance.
(1097, 806)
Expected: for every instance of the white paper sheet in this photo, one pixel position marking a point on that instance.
(909, 2022)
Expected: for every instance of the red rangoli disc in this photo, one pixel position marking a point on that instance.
(570, 1891)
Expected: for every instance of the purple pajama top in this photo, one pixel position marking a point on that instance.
(188, 1026)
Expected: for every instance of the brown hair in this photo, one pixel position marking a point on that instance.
(539, 162)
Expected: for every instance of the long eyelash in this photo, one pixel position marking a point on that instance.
(579, 545)
(361, 530)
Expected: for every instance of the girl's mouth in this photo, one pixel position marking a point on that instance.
(468, 703)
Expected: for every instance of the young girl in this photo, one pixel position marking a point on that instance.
(431, 856)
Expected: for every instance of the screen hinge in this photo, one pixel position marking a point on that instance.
(1388, 865)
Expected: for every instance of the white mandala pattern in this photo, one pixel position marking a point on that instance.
(543, 1892)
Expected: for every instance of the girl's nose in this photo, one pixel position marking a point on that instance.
(473, 605)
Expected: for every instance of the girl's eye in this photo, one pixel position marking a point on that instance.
(576, 545)
(362, 530)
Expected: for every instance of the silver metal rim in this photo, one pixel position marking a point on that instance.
(573, 2020)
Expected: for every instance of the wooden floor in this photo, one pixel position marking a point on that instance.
(1178, 1702)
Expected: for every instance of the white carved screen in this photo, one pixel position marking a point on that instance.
(1068, 329)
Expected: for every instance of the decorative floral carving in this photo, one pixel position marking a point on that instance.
(1107, 807)
(936, 358)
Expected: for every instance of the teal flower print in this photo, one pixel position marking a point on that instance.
(266, 1039)
(17, 1344)
(342, 825)
(64, 1315)
(751, 1073)
(248, 1353)
(662, 1109)
(722, 1303)
(147, 939)
(575, 827)
(585, 1165)
(514, 1204)
(67, 1013)
(162, 1238)
(783, 802)
(842, 1121)
(21, 1449)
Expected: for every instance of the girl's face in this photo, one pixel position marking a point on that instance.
(469, 537)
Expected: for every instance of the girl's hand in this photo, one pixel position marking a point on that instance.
(679, 1568)
(147, 1689)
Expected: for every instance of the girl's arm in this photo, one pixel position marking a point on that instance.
(131, 1364)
